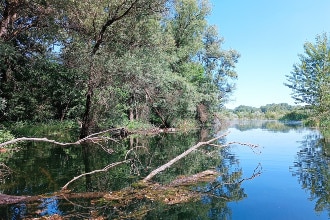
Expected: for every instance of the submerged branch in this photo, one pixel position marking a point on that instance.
(105, 169)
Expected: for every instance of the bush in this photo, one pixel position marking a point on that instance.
(138, 125)
(294, 116)
(6, 135)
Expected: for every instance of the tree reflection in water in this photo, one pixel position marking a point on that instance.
(41, 168)
(312, 167)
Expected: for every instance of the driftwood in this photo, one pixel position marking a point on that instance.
(8, 199)
(154, 172)
(174, 160)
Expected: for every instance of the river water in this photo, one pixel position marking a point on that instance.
(286, 177)
(294, 183)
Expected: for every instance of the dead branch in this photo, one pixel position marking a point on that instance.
(171, 162)
(252, 146)
(257, 172)
(105, 169)
(91, 138)
(37, 140)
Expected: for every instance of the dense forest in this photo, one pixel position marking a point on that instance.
(109, 63)
(106, 63)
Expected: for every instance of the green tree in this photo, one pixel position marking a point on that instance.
(310, 79)
(219, 65)
(109, 61)
(100, 38)
(199, 59)
(28, 31)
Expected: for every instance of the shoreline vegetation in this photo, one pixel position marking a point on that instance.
(63, 131)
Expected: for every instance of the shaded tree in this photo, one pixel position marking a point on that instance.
(28, 32)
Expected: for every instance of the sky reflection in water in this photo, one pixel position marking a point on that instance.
(277, 193)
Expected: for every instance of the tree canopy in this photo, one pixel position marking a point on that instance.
(310, 78)
(108, 62)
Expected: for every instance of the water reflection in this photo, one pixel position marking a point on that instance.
(312, 168)
(40, 168)
(49, 206)
(43, 169)
(269, 125)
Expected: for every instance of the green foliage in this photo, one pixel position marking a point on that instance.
(294, 116)
(310, 78)
(185, 125)
(45, 91)
(109, 62)
(5, 135)
(57, 130)
(138, 125)
(281, 111)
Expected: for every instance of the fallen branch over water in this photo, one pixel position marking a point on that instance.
(90, 138)
(174, 160)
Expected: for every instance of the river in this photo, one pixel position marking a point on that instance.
(294, 183)
(285, 177)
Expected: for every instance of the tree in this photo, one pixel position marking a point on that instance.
(219, 65)
(28, 31)
(110, 61)
(100, 38)
(310, 79)
(198, 57)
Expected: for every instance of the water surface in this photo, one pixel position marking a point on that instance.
(291, 160)
(295, 172)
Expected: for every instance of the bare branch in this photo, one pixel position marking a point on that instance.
(105, 169)
(257, 172)
(171, 162)
(252, 146)
(37, 140)
(91, 138)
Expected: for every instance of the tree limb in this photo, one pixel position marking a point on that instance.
(108, 23)
(95, 171)
(171, 162)
(91, 137)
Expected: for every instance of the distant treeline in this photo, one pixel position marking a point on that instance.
(281, 111)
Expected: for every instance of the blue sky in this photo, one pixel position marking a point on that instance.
(269, 35)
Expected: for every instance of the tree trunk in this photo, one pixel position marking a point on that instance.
(87, 117)
(131, 108)
(9, 15)
(86, 120)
